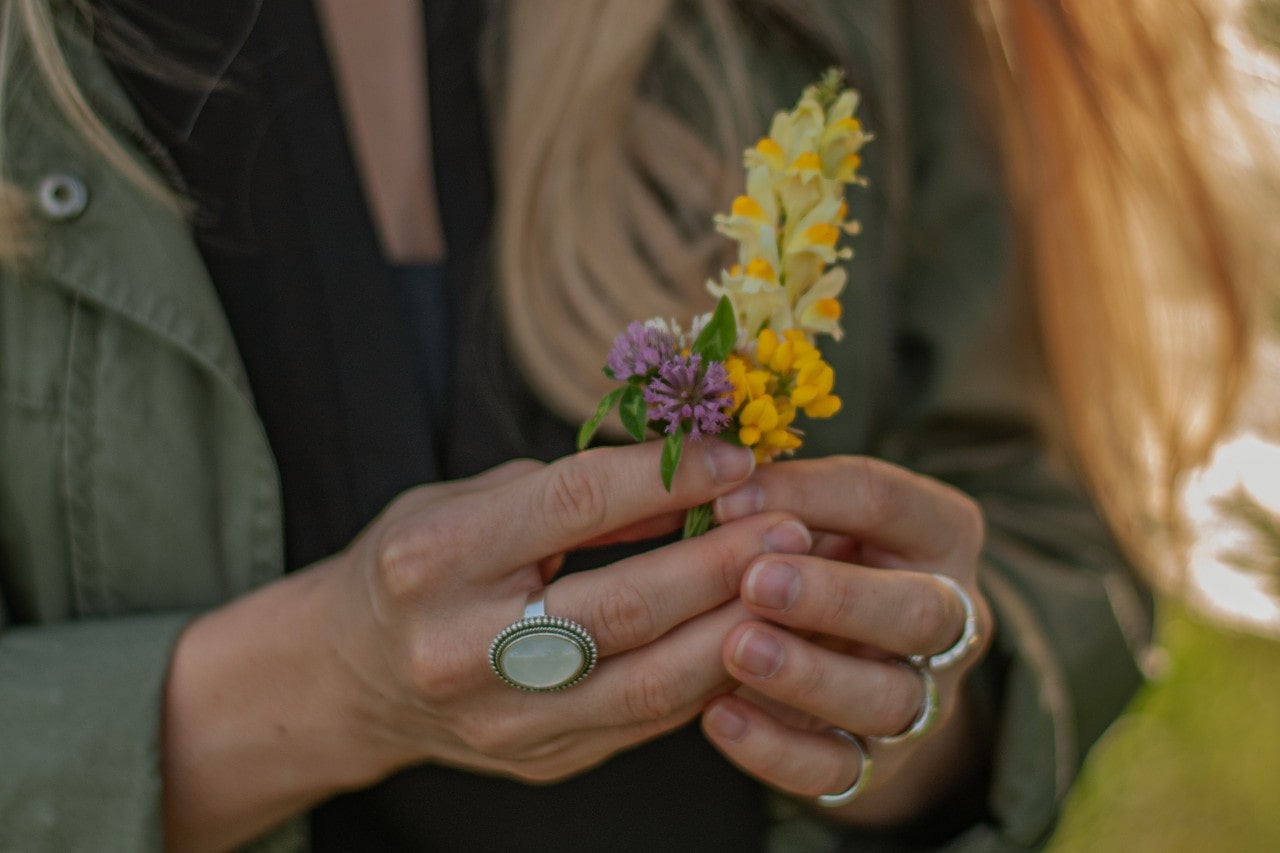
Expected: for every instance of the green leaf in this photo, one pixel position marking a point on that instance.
(603, 408)
(671, 449)
(633, 411)
(717, 338)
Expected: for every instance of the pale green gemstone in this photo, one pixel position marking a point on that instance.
(542, 661)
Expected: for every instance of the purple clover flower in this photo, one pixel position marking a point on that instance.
(684, 393)
(639, 350)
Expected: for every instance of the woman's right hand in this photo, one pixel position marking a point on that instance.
(377, 658)
(447, 567)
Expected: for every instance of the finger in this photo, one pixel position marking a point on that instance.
(577, 499)
(866, 498)
(636, 600)
(420, 497)
(871, 697)
(663, 684)
(905, 613)
(649, 528)
(804, 763)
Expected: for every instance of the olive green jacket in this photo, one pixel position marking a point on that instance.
(137, 486)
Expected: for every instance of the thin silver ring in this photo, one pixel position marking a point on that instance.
(849, 794)
(927, 716)
(542, 653)
(968, 637)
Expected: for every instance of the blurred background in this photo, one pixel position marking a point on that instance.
(1195, 762)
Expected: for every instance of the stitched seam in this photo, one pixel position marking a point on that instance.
(77, 485)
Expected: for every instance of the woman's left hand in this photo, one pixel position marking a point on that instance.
(836, 630)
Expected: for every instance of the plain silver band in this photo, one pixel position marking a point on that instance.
(968, 637)
(927, 716)
(536, 606)
(849, 794)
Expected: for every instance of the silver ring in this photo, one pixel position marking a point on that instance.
(849, 794)
(541, 653)
(928, 711)
(968, 637)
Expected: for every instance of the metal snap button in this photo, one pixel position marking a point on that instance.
(62, 197)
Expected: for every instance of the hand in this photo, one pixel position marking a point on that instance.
(430, 584)
(333, 677)
(833, 629)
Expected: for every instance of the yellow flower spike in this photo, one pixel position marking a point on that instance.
(746, 206)
(816, 374)
(758, 382)
(736, 371)
(823, 407)
(761, 269)
(829, 308)
(786, 412)
(809, 161)
(766, 343)
(847, 125)
(759, 413)
(847, 171)
(822, 234)
(803, 395)
(782, 440)
(771, 152)
(782, 357)
(749, 436)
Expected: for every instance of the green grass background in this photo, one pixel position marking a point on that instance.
(1194, 765)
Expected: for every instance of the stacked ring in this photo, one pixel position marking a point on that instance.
(927, 716)
(968, 636)
(849, 794)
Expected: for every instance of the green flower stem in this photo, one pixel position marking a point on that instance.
(697, 521)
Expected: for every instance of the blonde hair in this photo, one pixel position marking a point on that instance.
(1126, 154)
(589, 171)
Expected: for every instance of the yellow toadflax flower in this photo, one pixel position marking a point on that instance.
(784, 288)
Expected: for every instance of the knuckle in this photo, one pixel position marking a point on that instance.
(724, 559)
(808, 681)
(398, 564)
(927, 619)
(649, 696)
(972, 526)
(626, 615)
(411, 553)
(879, 491)
(897, 704)
(574, 498)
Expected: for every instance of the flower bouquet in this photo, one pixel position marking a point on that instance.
(746, 370)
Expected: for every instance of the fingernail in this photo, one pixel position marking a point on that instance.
(727, 723)
(759, 654)
(773, 585)
(729, 463)
(743, 501)
(788, 537)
